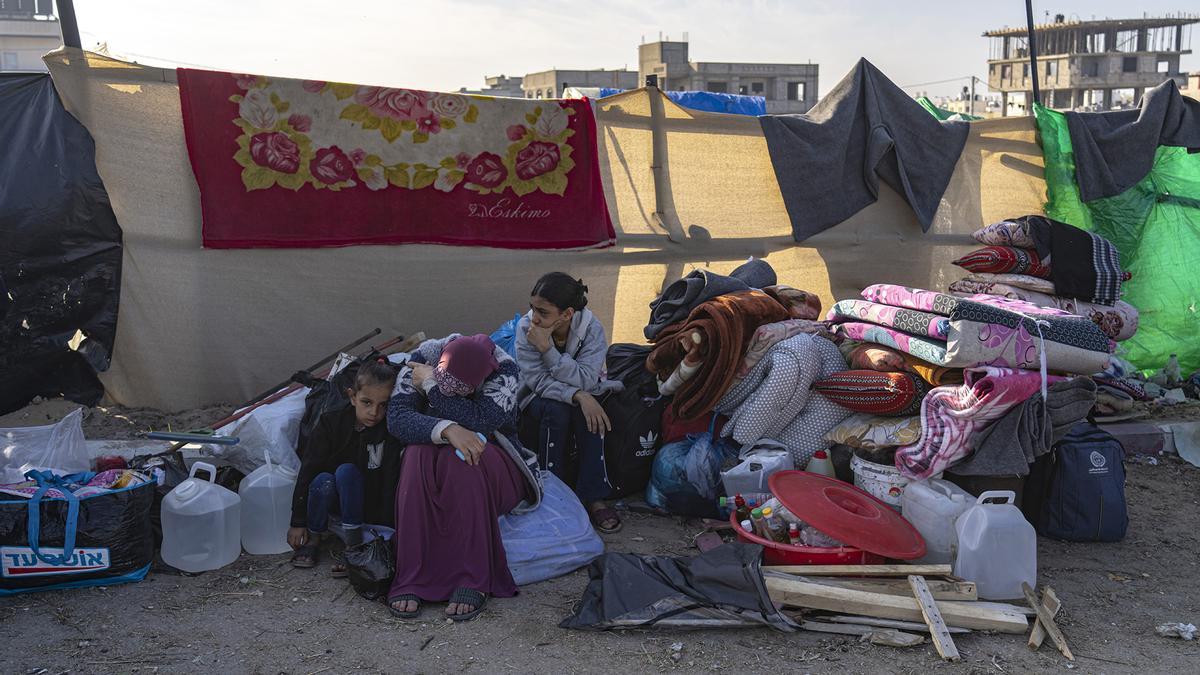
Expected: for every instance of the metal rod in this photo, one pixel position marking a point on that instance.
(67, 23)
(1033, 67)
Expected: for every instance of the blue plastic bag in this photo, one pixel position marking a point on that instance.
(686, 476)
(505, 336)
(554, 539)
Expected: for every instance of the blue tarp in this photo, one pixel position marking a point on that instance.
(733, 104)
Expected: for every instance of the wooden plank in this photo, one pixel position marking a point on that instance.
(1004, 606)
(889, 637)
(836, 628)
(1051, 603)
(933, 618)
(1047, 622)
(861, 570)
(889, 623)
(849, 601)
(941, 590)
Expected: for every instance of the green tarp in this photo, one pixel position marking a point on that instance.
(1156, 227)
(942, 113)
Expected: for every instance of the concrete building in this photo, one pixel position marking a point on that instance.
(1193, 86)
(550, 83)
(1095, 65)
(787, 87)
(498, 85)
(28, 30)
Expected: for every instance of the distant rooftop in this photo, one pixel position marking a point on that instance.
(1182, 19)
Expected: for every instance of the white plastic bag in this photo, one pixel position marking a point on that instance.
(755, 466)
(55, 447)
(273, 428)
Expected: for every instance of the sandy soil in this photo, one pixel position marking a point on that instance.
(260, 615)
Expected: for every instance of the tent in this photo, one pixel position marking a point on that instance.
(200, 326)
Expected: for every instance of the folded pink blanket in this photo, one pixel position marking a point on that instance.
(911, 321)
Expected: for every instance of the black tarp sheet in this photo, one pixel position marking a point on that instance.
(60, 250)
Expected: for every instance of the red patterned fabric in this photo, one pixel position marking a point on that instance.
(869, 391)
(285, 163)
(1005, 260)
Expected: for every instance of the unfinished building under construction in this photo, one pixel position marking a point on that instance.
(1091, 65)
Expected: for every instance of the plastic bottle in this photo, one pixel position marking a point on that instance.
(820, 463)
(793, 534)
(753, 499)
(743, 511)
(775, 527)
(1173, 372)
(759, 526)
(933, 506)
(201, 523)
(747, 525)
(997, 547)
(267, 507)
(723, 504)
(811, 536)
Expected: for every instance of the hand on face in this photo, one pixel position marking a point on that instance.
(420, 373)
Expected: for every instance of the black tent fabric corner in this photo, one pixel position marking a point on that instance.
(718, 589)
(60, 250)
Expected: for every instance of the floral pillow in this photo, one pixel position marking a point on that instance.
(868, 391)
(870, 432)
(1005, 260)
(1006, 233)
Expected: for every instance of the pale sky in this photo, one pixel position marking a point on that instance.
(447, 44)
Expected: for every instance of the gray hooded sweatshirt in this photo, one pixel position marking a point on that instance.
(557, 375)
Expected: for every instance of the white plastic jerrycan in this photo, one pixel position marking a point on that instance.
(201, 523)
(933, 506)
(267, 507)
(997, 547)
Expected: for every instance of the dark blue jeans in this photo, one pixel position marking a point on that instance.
(339, 492)
(561, 427)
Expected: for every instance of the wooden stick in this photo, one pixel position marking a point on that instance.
(933, 618)
(1048, 622)
(889, 623)
(941, 590)
(1052, 605)
(797, 593)
(861, 570)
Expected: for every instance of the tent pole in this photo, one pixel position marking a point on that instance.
(658, 158)
(1033, 66)
(67, 23)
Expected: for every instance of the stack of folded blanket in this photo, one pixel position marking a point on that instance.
(1050, 264)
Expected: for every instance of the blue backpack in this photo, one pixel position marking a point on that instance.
(1084, 479)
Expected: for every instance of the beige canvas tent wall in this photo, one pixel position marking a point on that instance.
(201, 326)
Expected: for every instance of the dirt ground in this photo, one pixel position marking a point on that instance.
(260, 615)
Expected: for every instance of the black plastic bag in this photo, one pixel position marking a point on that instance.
(168, 470)
(113, 542)
(60, 261)
(718, 589)
(326, 395)
(371, 566)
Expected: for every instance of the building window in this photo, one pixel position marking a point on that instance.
(716, 87)
(991, 69)
(1163, 67)
(1025, 72)
(1052, 70)
(1091, 68)
(795, 91)
(742, 90)
(1006, 71)
(756, 88)
(1129, 64)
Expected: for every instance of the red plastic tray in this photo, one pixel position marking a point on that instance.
(775, 553)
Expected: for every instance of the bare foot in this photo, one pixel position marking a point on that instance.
(406, 605)
(455, 608)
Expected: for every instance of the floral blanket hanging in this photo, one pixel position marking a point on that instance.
(299, 163)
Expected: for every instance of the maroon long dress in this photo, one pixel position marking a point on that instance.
(447, 530)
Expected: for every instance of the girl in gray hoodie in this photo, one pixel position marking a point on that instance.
(560, 350)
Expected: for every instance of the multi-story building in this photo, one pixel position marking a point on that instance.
(551, 83)
(28, 30)
(498, 85)
(1094, 65)
(787, 87)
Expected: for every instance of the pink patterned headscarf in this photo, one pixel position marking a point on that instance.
(465, 363)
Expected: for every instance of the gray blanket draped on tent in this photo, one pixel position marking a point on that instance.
(1115, 150)
(829, 160)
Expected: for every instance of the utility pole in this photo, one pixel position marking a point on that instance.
(972, 107)
(1033, 67)
(67, 23)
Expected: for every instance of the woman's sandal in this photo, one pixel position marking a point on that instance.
(407, 597)
(306, 556)
(605, 514)
(467, 596)
(338, 570)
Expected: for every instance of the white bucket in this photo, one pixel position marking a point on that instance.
(879, 480)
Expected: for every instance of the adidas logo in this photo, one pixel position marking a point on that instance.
(648, 440)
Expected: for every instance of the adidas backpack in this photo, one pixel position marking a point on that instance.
(636, 436)
(1081, 485)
